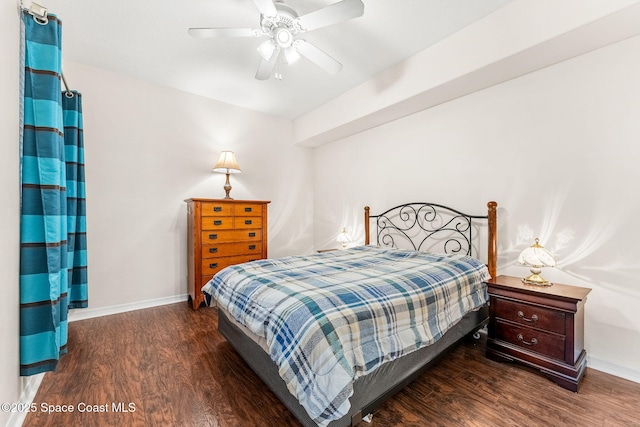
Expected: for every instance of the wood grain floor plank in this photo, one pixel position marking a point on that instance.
(177, 370)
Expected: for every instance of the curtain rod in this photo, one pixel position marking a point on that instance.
(67, 92)
(39, 14)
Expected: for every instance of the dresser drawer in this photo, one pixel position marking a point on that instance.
(228, 236)
(217, 222)
(230, 249)
(247, 209)
(244, 222)
(213, 265)
(548, 344)
(217, 209)
(530, 315)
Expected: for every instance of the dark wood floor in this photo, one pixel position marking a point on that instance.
(175, 369)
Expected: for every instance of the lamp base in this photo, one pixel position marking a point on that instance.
(227, 189)
(536, 279)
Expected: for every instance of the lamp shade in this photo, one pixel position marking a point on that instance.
(227, 163)
(267, 49)
(536, 257)
(343, 237)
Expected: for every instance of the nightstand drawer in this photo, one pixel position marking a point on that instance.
(548, 344)
(530, 315)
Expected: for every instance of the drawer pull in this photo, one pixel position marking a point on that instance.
(248, 209)
(248, 221)
(252, 234)
(217, 222)
(213, 236)
(252, 247)
(532, 342)
(217, 208)
(215, 265)
(213, 250)
(534, 317)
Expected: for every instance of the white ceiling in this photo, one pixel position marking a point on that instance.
(148, 39)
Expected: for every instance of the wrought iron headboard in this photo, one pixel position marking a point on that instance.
(430, 227)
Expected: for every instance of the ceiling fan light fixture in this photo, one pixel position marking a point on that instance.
(266, 49)
(291, 55)
(284, 38)
(282, 24)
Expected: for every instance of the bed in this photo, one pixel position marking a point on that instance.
(335, 334)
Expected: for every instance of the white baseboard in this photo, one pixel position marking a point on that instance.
(89, 313)
(616, 370)
(26, 398)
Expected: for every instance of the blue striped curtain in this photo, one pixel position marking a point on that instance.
(53, 228)
(76, 199)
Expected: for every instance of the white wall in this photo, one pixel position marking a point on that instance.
(10, 385)
(557, 149)
(147, 148)
(521, 37)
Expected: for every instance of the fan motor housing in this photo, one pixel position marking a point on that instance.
(284, 19)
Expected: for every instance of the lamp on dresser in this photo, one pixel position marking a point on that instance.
(227, 164)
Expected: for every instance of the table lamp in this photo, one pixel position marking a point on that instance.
(343, 238)
(536, 257)
(227, 164)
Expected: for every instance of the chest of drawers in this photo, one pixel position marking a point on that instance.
(541, 327)
(222, 233)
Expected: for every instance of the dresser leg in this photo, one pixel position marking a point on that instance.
(570, 379)
(194, 302)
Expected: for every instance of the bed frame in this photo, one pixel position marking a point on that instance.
(429, 227)
(426, 226)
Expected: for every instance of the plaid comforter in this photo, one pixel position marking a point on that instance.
(330, 318)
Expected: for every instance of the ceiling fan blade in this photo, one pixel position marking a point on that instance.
(317, 56)
(332, 14)
(266, 7)
(267, 65)
(206, 33)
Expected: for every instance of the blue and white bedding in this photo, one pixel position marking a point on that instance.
(330, 318)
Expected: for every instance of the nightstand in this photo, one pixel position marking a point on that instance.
(539, 326)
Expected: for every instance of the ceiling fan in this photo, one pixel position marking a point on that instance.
(280, 23)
